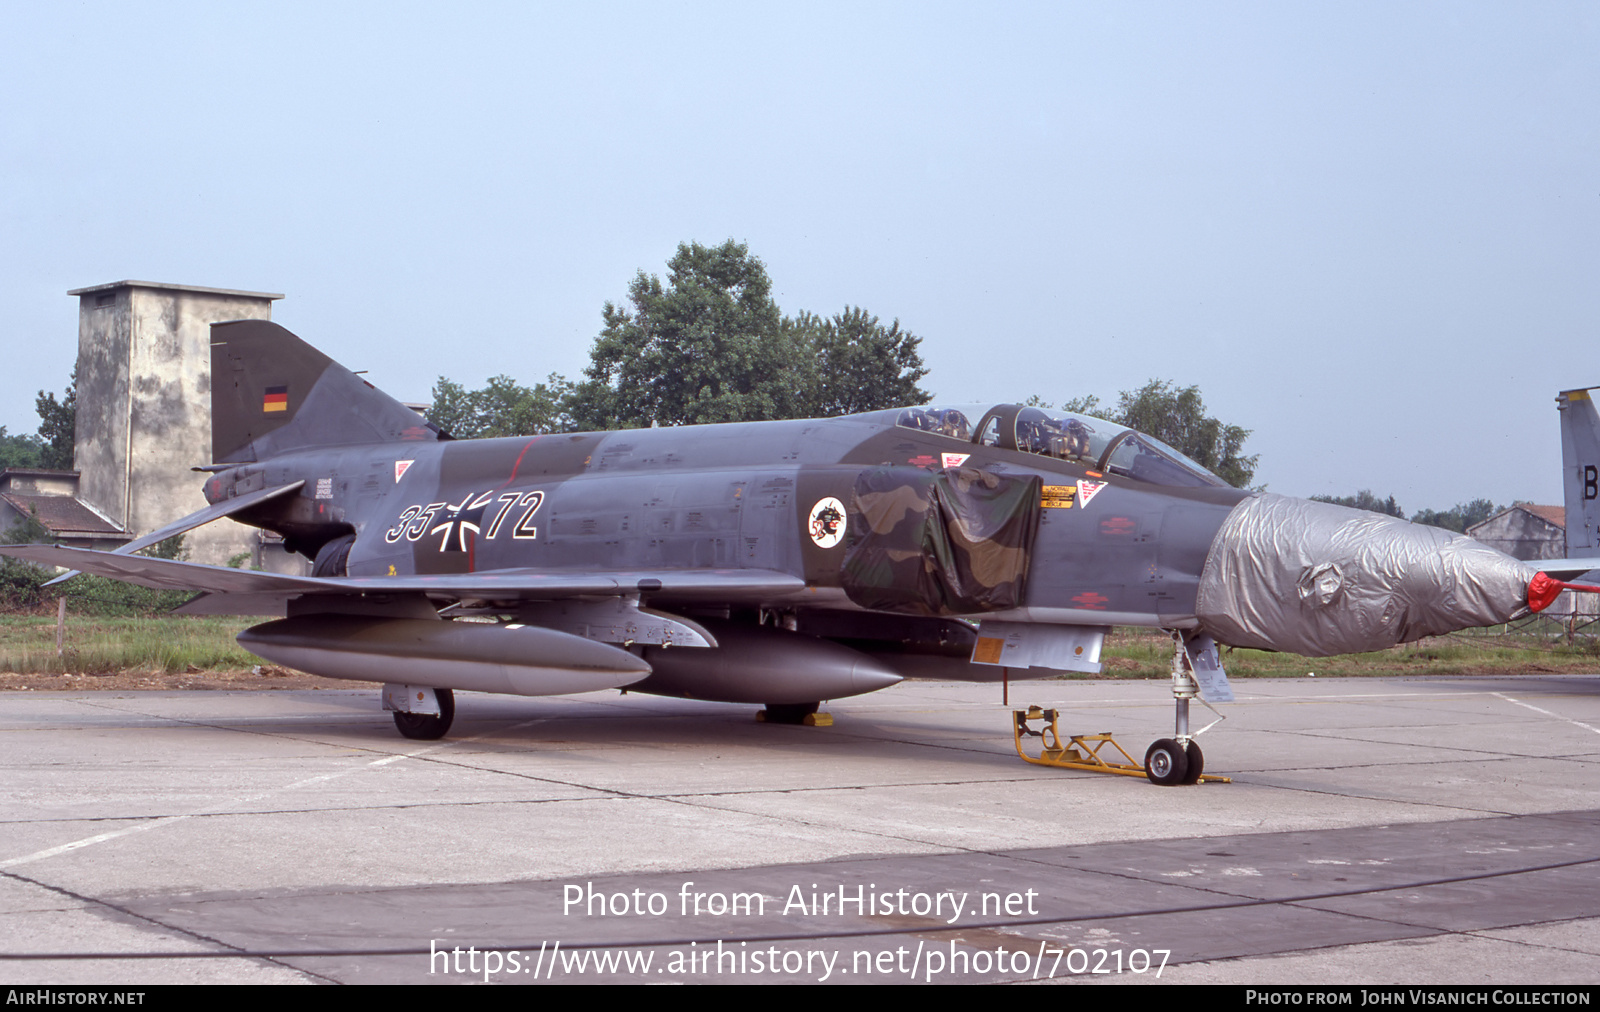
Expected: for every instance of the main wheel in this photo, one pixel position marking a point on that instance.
(1166, 763)
(1197, 763)
(425, 726)
(789, 713)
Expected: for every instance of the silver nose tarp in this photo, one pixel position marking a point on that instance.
(1317, 579)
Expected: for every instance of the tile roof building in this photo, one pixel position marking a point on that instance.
(51, 497)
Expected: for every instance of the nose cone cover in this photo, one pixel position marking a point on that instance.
(1317, 579)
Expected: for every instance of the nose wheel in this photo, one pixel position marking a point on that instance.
(1169, 762)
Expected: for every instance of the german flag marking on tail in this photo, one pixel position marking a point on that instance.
(275, 399)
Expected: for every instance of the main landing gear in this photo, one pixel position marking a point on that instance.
(795, 713)
(428, 726)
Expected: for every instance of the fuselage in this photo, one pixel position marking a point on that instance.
(728, 497)
(1025, 517)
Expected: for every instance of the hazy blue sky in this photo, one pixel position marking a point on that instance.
(1367, 231)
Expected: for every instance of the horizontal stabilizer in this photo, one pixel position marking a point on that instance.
(1568, 569)
(227, 507)
(161, 574)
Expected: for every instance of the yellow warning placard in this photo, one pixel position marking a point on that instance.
(1058, 497)
(987, 650)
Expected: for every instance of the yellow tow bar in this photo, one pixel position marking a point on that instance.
(1081, 752)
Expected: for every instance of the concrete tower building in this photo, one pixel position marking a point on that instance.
(144, 407)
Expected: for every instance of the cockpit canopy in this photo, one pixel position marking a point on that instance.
(1093, 442)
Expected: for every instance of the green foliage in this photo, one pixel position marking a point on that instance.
(95, 595)
(710, 345)
(1177, 416)
(1364, 500)
(28, 530)
(19, 451)
(114, 644)
(171, 548)
(22, 583)
(503, 407)
(57, 426)
(853, 363)
(707, 345)
(1089, 405)
(1459, 517)
(19, 584)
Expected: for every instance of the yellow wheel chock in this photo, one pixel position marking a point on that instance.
(1082, 751)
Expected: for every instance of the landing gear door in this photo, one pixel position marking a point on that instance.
(1206, 664)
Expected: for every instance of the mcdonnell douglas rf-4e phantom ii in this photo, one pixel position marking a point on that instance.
(780, 563)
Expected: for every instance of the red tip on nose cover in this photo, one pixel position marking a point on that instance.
(1543, 589)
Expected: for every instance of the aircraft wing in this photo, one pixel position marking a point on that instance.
(500, 584)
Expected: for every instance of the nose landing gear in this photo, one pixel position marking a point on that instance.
(1166, 763)
(1169, 761)
(1178, 760)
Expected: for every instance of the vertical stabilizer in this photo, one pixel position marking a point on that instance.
(1580, 470)
(271, 392)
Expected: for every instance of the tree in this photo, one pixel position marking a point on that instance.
(57, 425)
(27, 529)
(1176, 415)
(19, 451)
(709, 346)
(856, 364)
(503, 407)
(1365, 500)
(1459, 517)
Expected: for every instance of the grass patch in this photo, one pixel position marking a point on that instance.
(100, 644)
(1147, 653)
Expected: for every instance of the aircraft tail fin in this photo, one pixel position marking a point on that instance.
(272, 392)
(1580, 469)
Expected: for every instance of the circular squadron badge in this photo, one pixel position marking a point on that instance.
(827, 522)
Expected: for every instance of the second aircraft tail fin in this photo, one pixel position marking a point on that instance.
(1580, 469)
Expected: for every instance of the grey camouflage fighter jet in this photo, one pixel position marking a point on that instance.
(779, 563)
